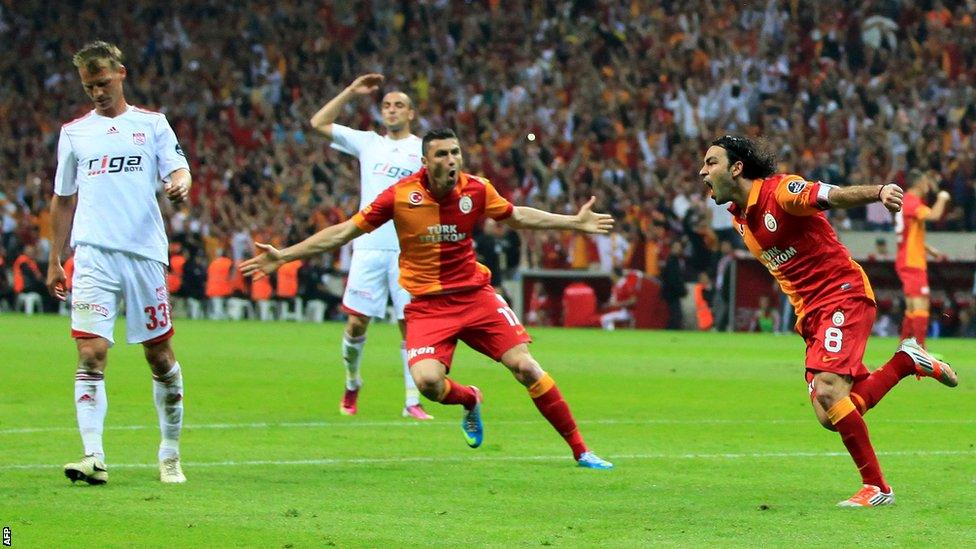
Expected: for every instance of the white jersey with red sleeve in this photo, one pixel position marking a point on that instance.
(116, 166)
(627, 287)
(382, 162)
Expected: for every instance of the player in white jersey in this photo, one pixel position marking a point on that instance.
(110, 165)
(374, 273)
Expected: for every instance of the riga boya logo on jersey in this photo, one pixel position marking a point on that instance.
(770, 222)
(465, 204)
(114, 164)
(415, 198)
(389, 170)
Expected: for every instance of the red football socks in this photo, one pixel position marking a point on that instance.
(867, 392)
(455, 393)
(908, 324)
(550, 403)
(854, 433)
(920, 326)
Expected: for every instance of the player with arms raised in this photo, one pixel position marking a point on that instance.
(374, 271)
(780, 217)
(434, 212)
(110, 164)
(910, 263)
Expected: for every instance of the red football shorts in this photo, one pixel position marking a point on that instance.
(480, 318)
(914, 281)
(836, 337)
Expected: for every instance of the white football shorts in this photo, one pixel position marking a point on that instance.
(374, 279)
(102, 278)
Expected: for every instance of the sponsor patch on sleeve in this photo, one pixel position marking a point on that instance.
(796, 187)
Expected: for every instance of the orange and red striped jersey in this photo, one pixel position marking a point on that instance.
(910, 226)
(436, 250)
(784, 227)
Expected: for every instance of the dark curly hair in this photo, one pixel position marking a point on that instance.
(757, 157)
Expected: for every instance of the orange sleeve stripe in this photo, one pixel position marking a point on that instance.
(360, 221)
(796, 203)
(922, 212)
(840, 410)
(868, 289)
(496, 207)
(542, 386)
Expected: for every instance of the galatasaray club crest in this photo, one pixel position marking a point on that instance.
(770, 222)
(465, 204)
(139, 138)
(838, 318)
(415, 198)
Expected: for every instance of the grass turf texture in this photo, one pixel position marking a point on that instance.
(712, 436)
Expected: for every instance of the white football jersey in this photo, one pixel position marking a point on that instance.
(116, 166)
(382, 162)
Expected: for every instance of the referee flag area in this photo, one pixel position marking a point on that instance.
(712, 437)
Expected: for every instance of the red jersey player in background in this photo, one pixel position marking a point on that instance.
(780, 217)
(910, 263)
(435, 212)
(623, 298)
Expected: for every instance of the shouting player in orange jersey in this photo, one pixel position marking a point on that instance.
(435, 212)
(780, 217)
(912, 251)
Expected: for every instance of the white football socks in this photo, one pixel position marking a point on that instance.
(168, 396)
(91, 405)
(413, 395)
(352, 353)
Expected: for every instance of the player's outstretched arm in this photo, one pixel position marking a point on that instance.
(323, 241)
(62, 213)
(177, 187)
(363, 85)
(888, 194)
(585, 221)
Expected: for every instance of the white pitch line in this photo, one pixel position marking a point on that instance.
(407, 423)
(489, 459)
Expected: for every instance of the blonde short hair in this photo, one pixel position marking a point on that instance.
(96, 55)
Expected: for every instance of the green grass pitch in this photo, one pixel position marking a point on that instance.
(712, 436)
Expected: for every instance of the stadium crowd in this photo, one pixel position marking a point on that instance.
(554, 100)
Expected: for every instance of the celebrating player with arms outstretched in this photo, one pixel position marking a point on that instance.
(110, 162)
(374, 271)
(434, 212)
(781, 219)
